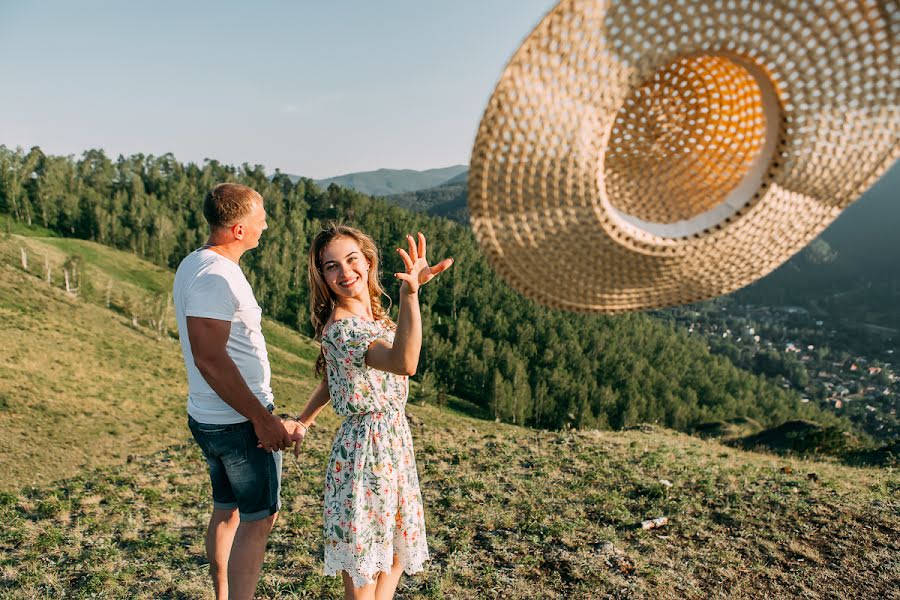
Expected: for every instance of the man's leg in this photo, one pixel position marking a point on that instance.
(255, 478)
(224, 520)
(219, 536)
(246, 558)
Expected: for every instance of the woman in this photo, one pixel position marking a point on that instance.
(374, 522)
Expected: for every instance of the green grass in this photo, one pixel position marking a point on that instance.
(81, 385)
(103, 495)
(119, 266)
(13, 226)
(511, 513)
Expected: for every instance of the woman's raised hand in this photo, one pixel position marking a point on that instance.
(417, 270)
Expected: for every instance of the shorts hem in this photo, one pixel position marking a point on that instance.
(260, 514)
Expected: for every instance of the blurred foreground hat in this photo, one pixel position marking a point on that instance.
(639, 154)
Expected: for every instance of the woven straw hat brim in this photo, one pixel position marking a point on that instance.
(639, 154)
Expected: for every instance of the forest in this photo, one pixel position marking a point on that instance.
(520, 362)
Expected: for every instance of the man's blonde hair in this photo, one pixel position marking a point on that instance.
(228, 203)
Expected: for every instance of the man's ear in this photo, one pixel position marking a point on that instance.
(237, 230)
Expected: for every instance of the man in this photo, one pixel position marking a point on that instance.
(230, 400)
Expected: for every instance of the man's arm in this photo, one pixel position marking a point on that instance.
(208, 338)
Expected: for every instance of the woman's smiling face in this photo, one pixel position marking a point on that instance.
(345, 268)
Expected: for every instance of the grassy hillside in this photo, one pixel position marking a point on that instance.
(105, 497)
(511, 513)
(82, 385)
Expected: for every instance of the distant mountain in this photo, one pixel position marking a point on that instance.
(462, 178)
(850, 273)
(446, 200)
(386, 182)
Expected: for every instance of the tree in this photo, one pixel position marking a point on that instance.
(483, 342)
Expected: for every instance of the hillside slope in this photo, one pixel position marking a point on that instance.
(855, 277)
(446, 200)
(82, 385)
(511, 513)
(523, 362)
(92, 412)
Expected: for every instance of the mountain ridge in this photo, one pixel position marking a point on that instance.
(385, 182)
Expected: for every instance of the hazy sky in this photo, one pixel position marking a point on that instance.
(313, 88)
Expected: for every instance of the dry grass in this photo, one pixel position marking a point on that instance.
(511, 512)
(80, 385)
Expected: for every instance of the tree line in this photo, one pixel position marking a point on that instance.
(521, 362)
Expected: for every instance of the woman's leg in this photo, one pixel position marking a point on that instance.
(367, 592)
(386, 584)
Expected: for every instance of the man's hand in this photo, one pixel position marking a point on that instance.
(272, 433)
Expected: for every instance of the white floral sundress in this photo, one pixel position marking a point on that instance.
(373, 506)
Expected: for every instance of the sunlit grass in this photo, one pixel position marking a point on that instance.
(103, 494)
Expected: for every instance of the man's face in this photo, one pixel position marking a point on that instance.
(250, 228)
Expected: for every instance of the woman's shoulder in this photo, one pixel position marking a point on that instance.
(347, 323)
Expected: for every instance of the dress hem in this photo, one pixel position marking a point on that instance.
(334, 567)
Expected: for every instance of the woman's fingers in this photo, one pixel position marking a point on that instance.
(407, 260)
(413, 250)
(415, 260)
(411, 282)
(442, 266)
(428, 273)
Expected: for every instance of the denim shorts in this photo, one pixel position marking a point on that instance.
(243, 476)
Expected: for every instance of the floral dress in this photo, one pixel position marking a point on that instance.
(373, 507)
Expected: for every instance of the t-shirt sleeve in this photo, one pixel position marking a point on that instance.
(351, 342)
(211, 297)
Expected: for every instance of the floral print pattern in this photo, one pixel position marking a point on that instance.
(373, 506)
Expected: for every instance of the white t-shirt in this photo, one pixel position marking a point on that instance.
(209, 285)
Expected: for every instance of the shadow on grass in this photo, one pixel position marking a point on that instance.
(468, 409)
(807, 439)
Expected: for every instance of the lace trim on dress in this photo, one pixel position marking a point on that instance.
(341, 556)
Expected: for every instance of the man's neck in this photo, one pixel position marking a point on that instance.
(232, 251)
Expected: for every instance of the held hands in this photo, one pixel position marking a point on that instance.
(418, 272)
(272, 434)
(296, 431)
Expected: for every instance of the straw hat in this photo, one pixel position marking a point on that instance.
(645, 153)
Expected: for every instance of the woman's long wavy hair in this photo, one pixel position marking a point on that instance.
(321, 298)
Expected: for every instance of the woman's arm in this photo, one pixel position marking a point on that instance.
(402, 357)
(317, 401)
(299, 427)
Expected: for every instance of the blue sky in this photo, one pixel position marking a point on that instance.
(312, 88)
